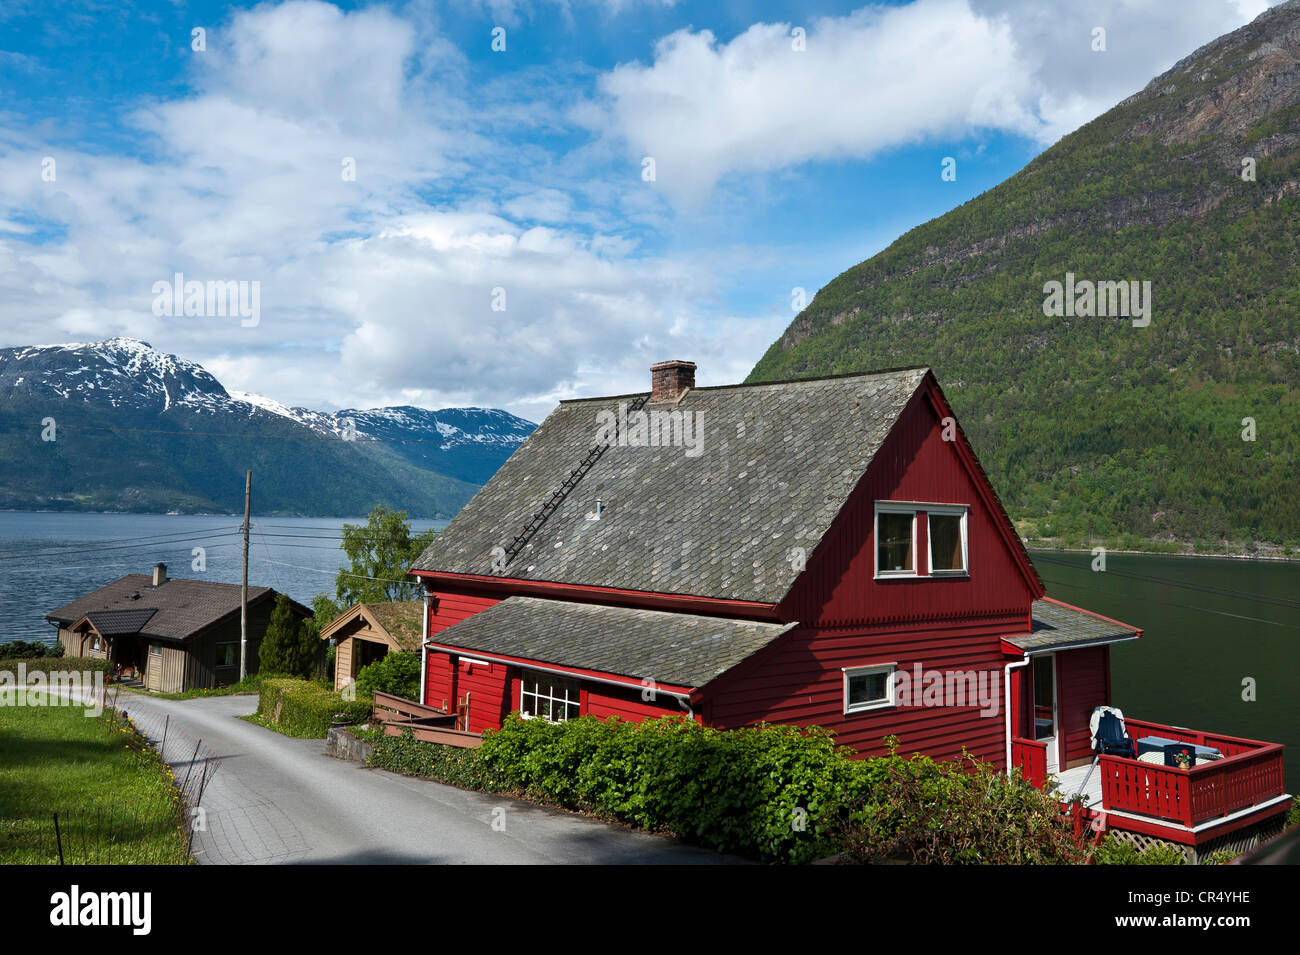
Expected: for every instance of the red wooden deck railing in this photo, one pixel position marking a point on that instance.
(1250, 773)
(425, 722)
(1031, 758)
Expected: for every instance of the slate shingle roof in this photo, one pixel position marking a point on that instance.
(1059, 627)
(182, 607)
(776, 465)
(669, 648)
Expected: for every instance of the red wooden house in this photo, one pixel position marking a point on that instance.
(824, 551)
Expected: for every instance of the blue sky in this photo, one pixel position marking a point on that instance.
(519, 169)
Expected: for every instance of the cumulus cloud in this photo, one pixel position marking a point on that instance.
(883, 77)
(374, 291)
(380, 290)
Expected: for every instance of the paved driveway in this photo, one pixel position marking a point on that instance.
(282, 800)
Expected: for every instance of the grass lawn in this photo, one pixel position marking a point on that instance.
(115, 798)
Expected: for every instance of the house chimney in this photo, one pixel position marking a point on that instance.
(669, 380)
(159, 574)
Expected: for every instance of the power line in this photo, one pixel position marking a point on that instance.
(385, 580)
(1186, 585)
(1168, 603)
(124, 540)
(99, 550)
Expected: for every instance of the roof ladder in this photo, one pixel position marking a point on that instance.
(557, 497)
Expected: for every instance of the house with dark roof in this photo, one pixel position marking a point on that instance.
(367, 632)
(171, 634)
(817, 552)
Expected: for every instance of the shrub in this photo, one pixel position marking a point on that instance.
(773, 792)
(307, 709)
(23, 649)
(46, 663)
(1293, 814)
(453, 765)
(915, 809)
(1220, 857)
(1116, 851)
(396, 673)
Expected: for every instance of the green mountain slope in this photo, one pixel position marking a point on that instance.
(1089, 427)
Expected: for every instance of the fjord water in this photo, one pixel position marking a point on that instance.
(1208, 624)
(49, 559)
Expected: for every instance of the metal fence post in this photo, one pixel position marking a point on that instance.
(58, 838)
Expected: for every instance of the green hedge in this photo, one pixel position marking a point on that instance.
(777, 793)
(57, 664)
(774, 793)
(302, 708)
(453, 765)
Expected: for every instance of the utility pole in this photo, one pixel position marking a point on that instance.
(243, 593)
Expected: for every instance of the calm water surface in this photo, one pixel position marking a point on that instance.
(1208, 624)
(47, 560)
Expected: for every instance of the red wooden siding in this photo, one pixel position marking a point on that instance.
(799, 680)
(604, 701)
(439, 681)
(451, 608)
(839, 588)
(1081, 686)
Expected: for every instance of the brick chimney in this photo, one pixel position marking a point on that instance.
(669, 380)
(159, 574)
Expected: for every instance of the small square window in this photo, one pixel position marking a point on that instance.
(868, 688)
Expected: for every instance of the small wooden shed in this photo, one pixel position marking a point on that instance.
(367, 631)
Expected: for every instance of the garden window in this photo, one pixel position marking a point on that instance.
(549, 697)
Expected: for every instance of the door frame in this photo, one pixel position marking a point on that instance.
(1052, 742)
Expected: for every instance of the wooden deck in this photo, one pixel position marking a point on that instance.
(425, 723)
(1188, 805)
(1070, 781)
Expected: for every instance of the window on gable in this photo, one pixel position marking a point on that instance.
(868, 688)
(947, 541)
(940, 530)
(895, 542)
(549, 697)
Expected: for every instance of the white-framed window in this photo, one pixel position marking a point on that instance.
(94, 641)
(549, 697)
(227, 654)
(895, 541)
(868, 687)
(946, 539)
(946, 544)
(155, 649)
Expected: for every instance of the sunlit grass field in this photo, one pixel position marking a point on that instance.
(115, 799)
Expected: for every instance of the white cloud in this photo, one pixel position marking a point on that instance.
(373, 290)
(883, 77)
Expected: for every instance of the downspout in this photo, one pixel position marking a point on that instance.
(1006, 682)
(424, 649)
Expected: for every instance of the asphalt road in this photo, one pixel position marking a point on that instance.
(278, 800)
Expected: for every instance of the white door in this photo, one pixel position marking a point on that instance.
(1044, 711)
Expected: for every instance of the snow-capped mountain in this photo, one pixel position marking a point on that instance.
(158, 406)
(118, 373)
(128, 373)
